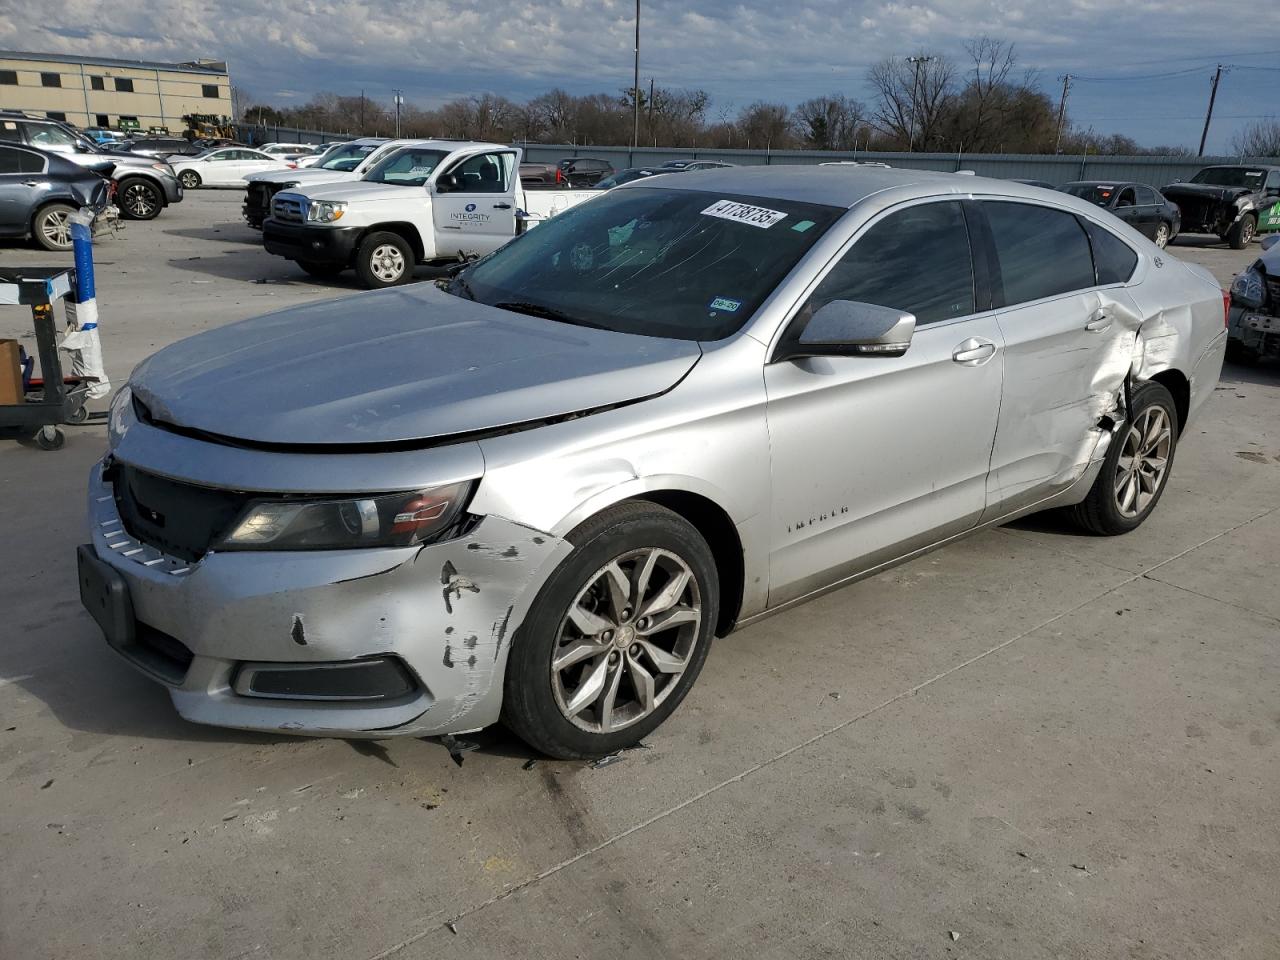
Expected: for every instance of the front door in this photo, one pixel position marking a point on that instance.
(479, 215)
(1068, 348)
(873, 457)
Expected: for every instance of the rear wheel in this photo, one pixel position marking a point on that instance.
(139, 199)
(617, 635)
(1163, 232)
(384, 259)
(51, 226)
(1136, 469)
(1241, 234)
(189, 179)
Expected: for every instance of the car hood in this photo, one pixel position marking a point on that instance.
(360, 190)
(397, 366)
(1205, 191)
(301, 175)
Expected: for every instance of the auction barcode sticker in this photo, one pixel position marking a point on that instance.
(744, 213)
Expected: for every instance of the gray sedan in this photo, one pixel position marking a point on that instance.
(538, 491)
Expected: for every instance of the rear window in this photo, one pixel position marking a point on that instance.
(1099, 193)
(1041, 252)
(1114, 260)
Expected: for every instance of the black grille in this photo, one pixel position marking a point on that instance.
(287, 208)
(257, 201)
(180, 519)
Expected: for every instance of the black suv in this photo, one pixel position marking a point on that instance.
(39, 191)
(585, 171)
(144, 185)
(1226, 200)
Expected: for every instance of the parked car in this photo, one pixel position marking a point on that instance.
(540, 490)
(144, 185)
(687, 165)
(1226, 200)
(226, 167)
(288, 149)
(102, 135)
(1140, 206)
(438, 201)
(1042, 184)
(39, 191)
(160, 148)
(1253, 324)
(584, 171)
(629, 174)
(344, 161)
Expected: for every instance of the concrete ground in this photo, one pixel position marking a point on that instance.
(1032, 744)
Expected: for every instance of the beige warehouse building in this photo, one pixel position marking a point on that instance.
(102, 92)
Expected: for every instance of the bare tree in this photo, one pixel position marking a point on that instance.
(904, 103)
(766, 125)
(1259, 139)
(833, 122)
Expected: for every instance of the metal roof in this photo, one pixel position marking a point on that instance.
(215, 68)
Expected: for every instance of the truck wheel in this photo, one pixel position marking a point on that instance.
(616, 636)
(51, 226)
(1241, 235)
(190, 179)
(384, 260)
(321, 271)
(139, 199)
(1136, 469)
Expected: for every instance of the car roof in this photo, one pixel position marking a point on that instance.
(1238, 166)
(844, 186)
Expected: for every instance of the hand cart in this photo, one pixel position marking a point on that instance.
(58, 400)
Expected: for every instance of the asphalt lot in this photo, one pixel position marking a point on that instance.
(1031, 744)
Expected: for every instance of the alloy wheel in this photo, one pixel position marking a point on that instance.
(387, 263)
(626, 640)
(1246, 231)
(56, 228)
(1143, 462)
(1162, 235)
(138, 200)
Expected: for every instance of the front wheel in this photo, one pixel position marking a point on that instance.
(616, 636)
(1136, 469)
(1241, 234)
(384, 259)
(139, 199)
(189, 179)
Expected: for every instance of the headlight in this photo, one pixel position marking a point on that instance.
(120, 415)
(325, 211)
(1247, 288)
(163, 168)
(388, 520)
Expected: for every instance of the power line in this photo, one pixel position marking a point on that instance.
(1149, 76)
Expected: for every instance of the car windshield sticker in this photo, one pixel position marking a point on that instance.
(725, 304)
(744, 213)
(802, 226)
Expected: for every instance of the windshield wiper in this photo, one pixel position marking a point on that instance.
(459, 286)
(547, 313)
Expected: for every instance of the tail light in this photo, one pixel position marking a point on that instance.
(559, 175)
(292, 166)
(1226, 308)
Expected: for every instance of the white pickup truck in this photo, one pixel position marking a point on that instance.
(432, 202)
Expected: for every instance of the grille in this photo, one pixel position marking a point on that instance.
(180, 519)
(287, 208)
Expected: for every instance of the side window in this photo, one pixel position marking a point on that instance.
(1127, 198)
(1041, 252)
(10, 160)
(1147, 197)
(1273, 180)
(1113, 259)
(486, 173)
(916, 260)
(44, 135)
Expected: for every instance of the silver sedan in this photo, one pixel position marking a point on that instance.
(537, 491)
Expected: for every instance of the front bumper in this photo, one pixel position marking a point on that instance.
(318, 244)
(1257, 329)
(172, 189)
(447, 611)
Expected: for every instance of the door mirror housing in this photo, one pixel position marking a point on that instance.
(850, 328)
(447, 183)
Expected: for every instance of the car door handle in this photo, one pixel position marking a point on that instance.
(1099, 321)
(31, 183)
(502, 206)
(974, 352)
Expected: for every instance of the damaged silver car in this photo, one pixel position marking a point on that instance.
(538, 491)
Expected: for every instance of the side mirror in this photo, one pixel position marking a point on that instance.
(447, 182)
(849, 328)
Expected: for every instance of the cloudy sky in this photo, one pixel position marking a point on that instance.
(738, 50)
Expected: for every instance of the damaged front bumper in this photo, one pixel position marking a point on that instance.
(1255, 329)
(439, 617)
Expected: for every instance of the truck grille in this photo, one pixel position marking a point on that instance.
(288, 207)
(180, 519)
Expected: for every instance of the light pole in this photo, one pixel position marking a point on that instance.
(915, 85)
(399, 99)
(635, 92)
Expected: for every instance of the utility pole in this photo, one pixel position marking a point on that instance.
(1213, 95)
(398, 100)
(915, 101)
(635, 92)
(1062, 110)
(362, 112)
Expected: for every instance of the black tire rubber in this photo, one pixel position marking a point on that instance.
(134, 184)
(528, 708)
(1097, 513)
(321, 271)
(1236, 237)
(37, 232)
(78, 415)
(50, 438)
(189, 179)
(365, 252)
(1238, 353)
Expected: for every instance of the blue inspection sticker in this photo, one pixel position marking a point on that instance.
(725, 304)
(802, 226)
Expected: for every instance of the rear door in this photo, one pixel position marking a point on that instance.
(1068, 347)
(480, 215)
(20, 179)
(1125, 206)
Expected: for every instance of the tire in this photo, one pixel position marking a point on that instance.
(139, 199)
(619, 650)
(1121, 497)
(189, 179)
(1242, 233)
(1164, 234)
(51, 226)
(321, 271)
(384, 259)
(50, 438)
